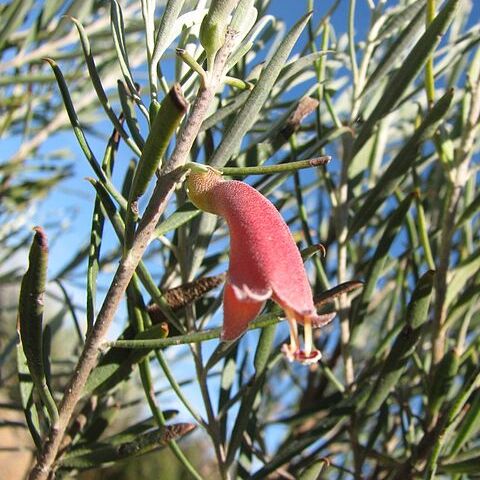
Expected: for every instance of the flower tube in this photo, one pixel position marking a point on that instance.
(264, 261)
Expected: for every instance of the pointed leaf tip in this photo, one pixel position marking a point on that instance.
(41, 238)
(51, 61)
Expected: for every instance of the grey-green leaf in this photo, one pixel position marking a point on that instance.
(249, 111)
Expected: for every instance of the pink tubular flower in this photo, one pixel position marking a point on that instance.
(264, 261)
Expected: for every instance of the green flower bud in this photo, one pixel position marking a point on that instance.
(214, 27)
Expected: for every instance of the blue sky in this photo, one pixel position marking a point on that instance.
(72, 201)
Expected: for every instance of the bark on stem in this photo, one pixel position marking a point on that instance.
(169, 177)
(341, 226)
(459, 177)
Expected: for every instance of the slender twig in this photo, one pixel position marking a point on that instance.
(459, 177)
(168, 179)
(194, 337)
(341, 226)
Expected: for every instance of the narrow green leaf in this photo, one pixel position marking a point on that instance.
(30, 318)
(331, 294)
(400, 165)
(118, 34)
(96, 235)
(101, 418)
(229, 372)
(142, 271)
(148, 14)
(404, 345)
(471, 466)
(131, 432)
(245, 413)
(29, 407)
(224, 112)
(423, 232)
(442, 382)
(469, 211)
(390, 58)
(248, 113)
(377, 263)
(12, 18)
(80, 9)
(103, 453)
(172, 110)
(461, 274)
(412, 65)
(447, 423)
(184, 214)
(313, 471)
(382, 424)
(167, 23)
(296, 68)
(49, 9)
(128, 112)
(264, 348)
(335, 419)
(82, 140)
(69, 305)
(469, 427)
(97, 85)
(243, 17)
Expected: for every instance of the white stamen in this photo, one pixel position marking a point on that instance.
(292, 324)
(308, 335)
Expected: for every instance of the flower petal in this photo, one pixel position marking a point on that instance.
(237, 313)
(263, 254)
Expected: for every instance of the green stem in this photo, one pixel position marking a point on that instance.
(238, 83)
(429, 75)
(423, 233)
(194, 65)
(351, 42)
(195, 337)
(322, 276)
(176, 388)
(134, 299)
(267, 169)
(333, 379)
